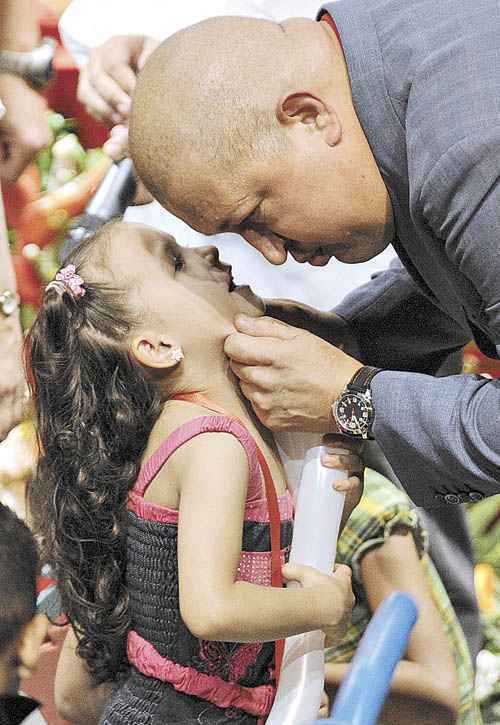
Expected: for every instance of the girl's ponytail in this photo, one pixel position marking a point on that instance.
(95, 410)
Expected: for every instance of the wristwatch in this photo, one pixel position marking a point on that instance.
(9, 302)
(353, 410)
(35, 66)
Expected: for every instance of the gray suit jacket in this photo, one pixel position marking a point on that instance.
(425, 78)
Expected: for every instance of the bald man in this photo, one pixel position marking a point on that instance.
(379, 123)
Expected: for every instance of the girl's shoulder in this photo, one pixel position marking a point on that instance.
(183, 421)
(182, 445)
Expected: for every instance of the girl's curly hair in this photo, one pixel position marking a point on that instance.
(95, 410)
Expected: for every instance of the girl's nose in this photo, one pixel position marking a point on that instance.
(210, 253)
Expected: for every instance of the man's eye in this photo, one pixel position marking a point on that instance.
(178, 262)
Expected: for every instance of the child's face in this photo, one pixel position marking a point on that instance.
(188, 289)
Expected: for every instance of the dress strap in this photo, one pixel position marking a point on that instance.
(188, 431)
(272, 503)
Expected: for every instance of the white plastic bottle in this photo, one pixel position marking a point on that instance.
(318, 514)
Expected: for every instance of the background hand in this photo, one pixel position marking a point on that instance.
(290, 376)
(24, 129)
(107, 81)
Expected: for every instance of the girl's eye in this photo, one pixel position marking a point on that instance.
(178, 262)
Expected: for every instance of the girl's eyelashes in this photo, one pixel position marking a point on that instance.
(178, 262)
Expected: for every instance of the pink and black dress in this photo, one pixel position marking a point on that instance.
(175, 677)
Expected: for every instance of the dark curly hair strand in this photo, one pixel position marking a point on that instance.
(95, 410)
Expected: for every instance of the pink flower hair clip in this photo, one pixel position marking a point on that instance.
(67, 280)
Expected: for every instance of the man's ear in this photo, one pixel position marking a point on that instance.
(28, 645)
(154, 350)
(310, 110)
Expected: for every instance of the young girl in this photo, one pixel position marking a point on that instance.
(128, 336)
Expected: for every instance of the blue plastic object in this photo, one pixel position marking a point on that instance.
(362, 693)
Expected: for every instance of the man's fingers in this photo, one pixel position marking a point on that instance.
(348, 485)
(349, 462)
(264, 327)
(250, 350)
(337, 440)
(252, 374)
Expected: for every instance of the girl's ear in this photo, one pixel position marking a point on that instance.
(154, 350)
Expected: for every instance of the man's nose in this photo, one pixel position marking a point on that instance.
(210, 253)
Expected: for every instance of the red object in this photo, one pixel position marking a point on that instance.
(43, 582)
(20, 193)
(331, 22)
(476, 362)
(28, 281)
(42, 220)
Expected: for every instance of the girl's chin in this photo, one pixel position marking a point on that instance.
(245, 298)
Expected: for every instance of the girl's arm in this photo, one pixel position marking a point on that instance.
(77, 698)
(211, 472)
(424, 689)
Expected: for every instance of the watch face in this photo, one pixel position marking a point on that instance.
(353, 413)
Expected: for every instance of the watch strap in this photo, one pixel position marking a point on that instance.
(361, 380)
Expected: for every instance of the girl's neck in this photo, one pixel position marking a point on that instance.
(222, 387)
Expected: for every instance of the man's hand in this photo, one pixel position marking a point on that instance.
(24, 129)
(352, 463)
(327, 325)
(290, 376)
(12, 380)
(324, 706)
(107, 81)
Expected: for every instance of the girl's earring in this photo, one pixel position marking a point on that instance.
(177, 354)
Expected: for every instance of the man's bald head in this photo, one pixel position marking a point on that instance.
(247, 125)
(206, 101)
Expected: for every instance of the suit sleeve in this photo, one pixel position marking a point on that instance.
(397, 327)
(441, 435)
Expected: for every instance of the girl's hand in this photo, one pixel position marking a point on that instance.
(350, 462)
(334, 596)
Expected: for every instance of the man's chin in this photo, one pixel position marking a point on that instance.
(354, 256)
